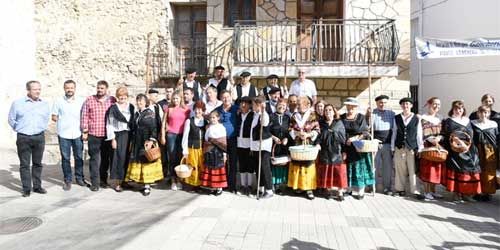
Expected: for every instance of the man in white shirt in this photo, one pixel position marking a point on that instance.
(245, 88)
(218, 81)
(304, 87)
(190, 82)
(66, 112)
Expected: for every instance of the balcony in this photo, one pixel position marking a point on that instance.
(330, 48)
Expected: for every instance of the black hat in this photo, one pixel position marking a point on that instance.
(274, 90)
(245, 74)
(220, 67)
(190, 70)
(246, 99)
(273, 76)
(406, 99)
(381, 97)
(153, 91)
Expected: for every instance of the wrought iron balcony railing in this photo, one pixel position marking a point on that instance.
(337, 41)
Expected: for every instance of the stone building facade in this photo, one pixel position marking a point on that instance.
(93, 40)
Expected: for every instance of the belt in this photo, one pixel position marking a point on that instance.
(41, 133)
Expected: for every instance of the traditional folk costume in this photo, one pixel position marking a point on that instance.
(140, 170)
(262, 143)
(245, 160)
(406, 143)
(331, 170)
(192, 143)
(214, 172)
(462, 173)
(359, 165)
(486, 138)
(431, 171)
(119, 123)
(302, 174)
(279, 128)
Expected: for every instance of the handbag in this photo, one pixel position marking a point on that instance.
(152, 154)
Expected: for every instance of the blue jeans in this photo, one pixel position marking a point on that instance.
(65, 146)
(174, 150)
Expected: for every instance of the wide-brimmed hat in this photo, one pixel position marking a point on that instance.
(351, 101)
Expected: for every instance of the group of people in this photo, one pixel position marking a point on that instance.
(231, 136)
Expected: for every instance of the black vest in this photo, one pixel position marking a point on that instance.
(196, 135)
(280, 131)
(266, 132)
(196, 94)
(252, 92)
(221, 86)
(406, 135)
(247, 124)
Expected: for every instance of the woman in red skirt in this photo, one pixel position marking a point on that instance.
(331, 170)
(462, 174)
(214, 156)
(430, 172)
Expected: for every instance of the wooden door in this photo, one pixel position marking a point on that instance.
(320, 29)
(190, 37)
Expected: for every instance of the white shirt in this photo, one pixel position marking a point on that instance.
(245, 91)
(243, 142)
(187, 128)
(68, 116)
(407, 120)
(267, 144)
(209, 107)
(113, 125)
(306, 88)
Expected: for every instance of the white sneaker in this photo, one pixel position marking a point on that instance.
(428, 197)
(437, 196)
(173, 187)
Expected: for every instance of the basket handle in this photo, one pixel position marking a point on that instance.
(272, 150)
(183, 160)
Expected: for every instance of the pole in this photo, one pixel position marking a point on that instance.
(148, 79)
(260, 151)
(372, 154)
(284, 77)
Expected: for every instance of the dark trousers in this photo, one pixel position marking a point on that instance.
(66, 146)
(120, 156)
(100, 158)
(30, 148)
(266, 178)
(232, 166)
(246, 161)
(174, 149)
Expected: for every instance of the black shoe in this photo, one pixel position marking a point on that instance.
(310, 195)
(358, 197)
(146, 191)
(26, 193)
(104, 184)
(40, 190)
(218, 192)
(82, 183)
(67, 186)
(340, 198)
(94, 188)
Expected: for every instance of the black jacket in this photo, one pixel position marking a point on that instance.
(332, 140)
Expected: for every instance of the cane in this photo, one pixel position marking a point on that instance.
(260, 150)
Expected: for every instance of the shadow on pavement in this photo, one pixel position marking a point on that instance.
(468, 225)
(456, 245)
(295, 244)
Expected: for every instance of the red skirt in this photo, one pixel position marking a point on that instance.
(214, 178)
(331, 175)
(462, 183)
(431, 171)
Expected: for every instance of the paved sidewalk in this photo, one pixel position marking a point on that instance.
(80, 219)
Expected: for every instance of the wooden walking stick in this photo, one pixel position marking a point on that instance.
(260, 152)
(284, 77)
(372, 154)
(148, 79)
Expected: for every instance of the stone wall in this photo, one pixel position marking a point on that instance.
(92, 40)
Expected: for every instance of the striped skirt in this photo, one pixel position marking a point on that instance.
(213, 178)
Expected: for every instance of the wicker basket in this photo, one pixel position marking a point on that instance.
(303, 152)
(183, 170)
(366, 146)
(457, 138)
(279, 161)
(435, 154)
(154, 153)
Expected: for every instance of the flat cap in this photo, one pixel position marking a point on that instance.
(406, 99)
(381, 97)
